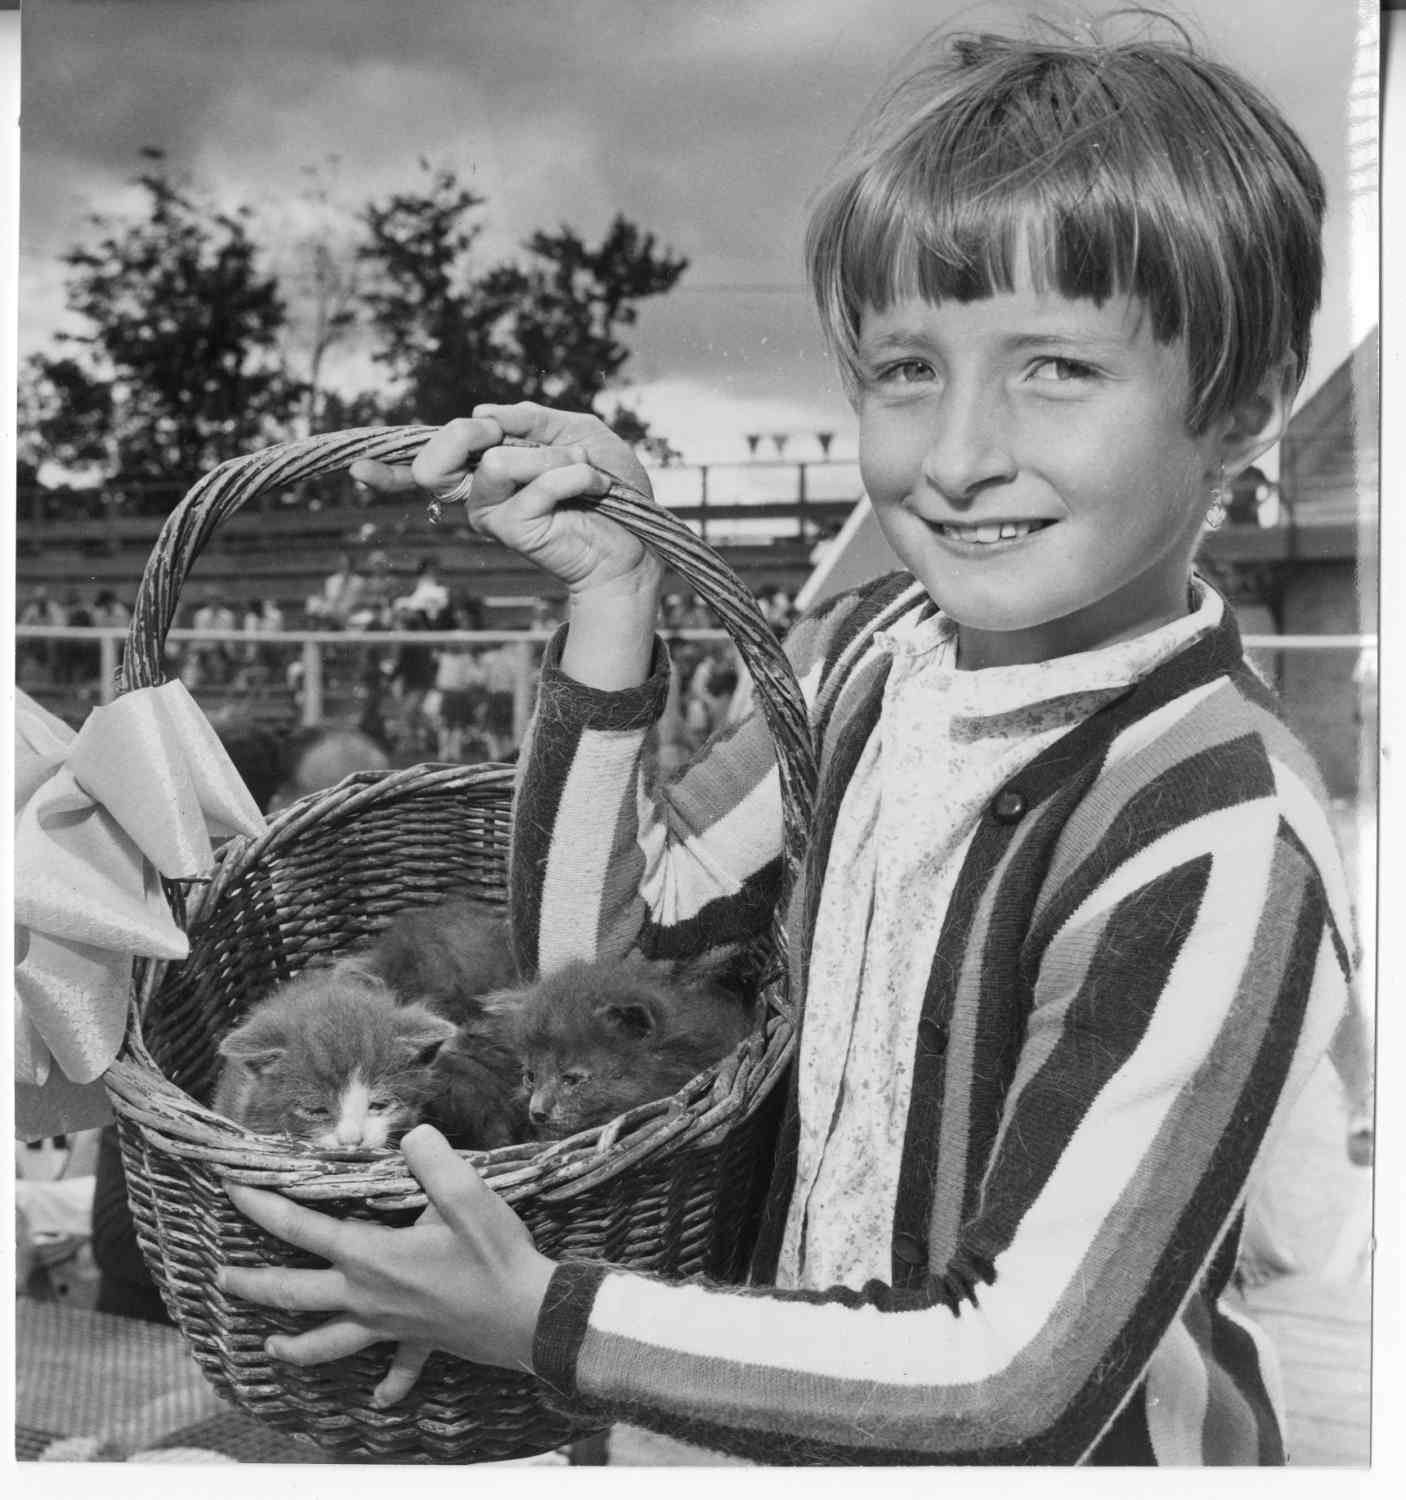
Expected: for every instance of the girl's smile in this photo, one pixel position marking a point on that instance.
(1028, 458)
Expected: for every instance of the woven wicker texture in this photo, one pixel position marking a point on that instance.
(673, 1187)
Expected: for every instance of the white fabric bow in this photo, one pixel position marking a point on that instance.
(138, 792)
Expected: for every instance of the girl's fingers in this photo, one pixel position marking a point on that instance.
(291, 1221)
(389, 479)
(286, 1288)
(509, 473)
(456, 1192)
(406, 1364)
(335, 1340)
(445, 459)
(526, 419)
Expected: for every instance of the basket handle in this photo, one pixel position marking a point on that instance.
(225, 489)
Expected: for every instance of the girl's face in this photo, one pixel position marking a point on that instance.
(1028, 459)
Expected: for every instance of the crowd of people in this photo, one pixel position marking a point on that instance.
(460, 701)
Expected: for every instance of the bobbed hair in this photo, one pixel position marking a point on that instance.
(1124, 167)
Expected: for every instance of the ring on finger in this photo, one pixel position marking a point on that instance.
(460, 492)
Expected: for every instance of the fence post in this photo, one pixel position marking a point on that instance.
(801, 502)
(107, 667)
(312, 683)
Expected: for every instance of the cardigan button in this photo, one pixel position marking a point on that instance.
(1010, 806)
(933, 1035)
(910, 1250)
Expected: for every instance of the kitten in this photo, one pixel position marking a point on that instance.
(598, 1038)
(357, 1052)
(449, 956)
(331, 1058)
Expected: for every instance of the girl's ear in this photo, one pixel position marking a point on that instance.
(1254, 425)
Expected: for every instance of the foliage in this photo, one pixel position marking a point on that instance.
(186, 348)
(177, 368)
(544, 330)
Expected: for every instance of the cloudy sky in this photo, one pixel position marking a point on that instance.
(708, 121)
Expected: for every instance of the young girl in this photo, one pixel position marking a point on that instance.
(1072, 931)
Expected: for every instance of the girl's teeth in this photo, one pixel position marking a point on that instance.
(1000, 531)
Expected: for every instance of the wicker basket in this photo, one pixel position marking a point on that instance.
(673, 1187)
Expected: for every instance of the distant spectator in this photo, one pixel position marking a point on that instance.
(318, 758)
(42, 610)
(373, 611)
(697, 615)
(671, 612)
(261, 617)
(213, 659)
(343, 594)
(502, 666)
(78, 662)
(109, 610)
(459, 681)
(546, 614)
(38, 658)
(468, 613)
(777, 606)
(412, 677)
(708, 693)
(429, 598)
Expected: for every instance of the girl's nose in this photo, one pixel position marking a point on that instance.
(969, 448)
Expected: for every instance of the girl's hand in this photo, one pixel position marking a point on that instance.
(521, 496)
(465, 1277)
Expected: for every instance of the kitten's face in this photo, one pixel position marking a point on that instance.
(572, 1088)
(334, 1061)
(351, 1113)
(588, 1038)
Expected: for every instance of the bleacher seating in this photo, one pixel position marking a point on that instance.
(285, 554)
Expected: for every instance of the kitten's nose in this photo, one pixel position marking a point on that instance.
(537, 1110)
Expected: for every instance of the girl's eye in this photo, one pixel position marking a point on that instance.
(905, 372)
(1061, 371)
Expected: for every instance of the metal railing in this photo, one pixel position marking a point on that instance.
(314, 645)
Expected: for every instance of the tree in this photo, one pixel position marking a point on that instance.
(543, 331)
(178, 367)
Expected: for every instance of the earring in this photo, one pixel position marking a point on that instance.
(1215, 515)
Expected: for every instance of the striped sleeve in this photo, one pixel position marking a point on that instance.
(605, 856)
(1192, 979)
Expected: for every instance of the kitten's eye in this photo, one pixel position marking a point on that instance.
(571, 1080)
(380, 1106)
(529, 1077)
(312, 1111)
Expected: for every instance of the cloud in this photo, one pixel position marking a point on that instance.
(708, 121)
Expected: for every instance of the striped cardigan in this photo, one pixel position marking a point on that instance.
(1143, 958)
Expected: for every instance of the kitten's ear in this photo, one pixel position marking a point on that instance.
(422, 1033)
(716, 966)
(631, 1019)
(256, 1045)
